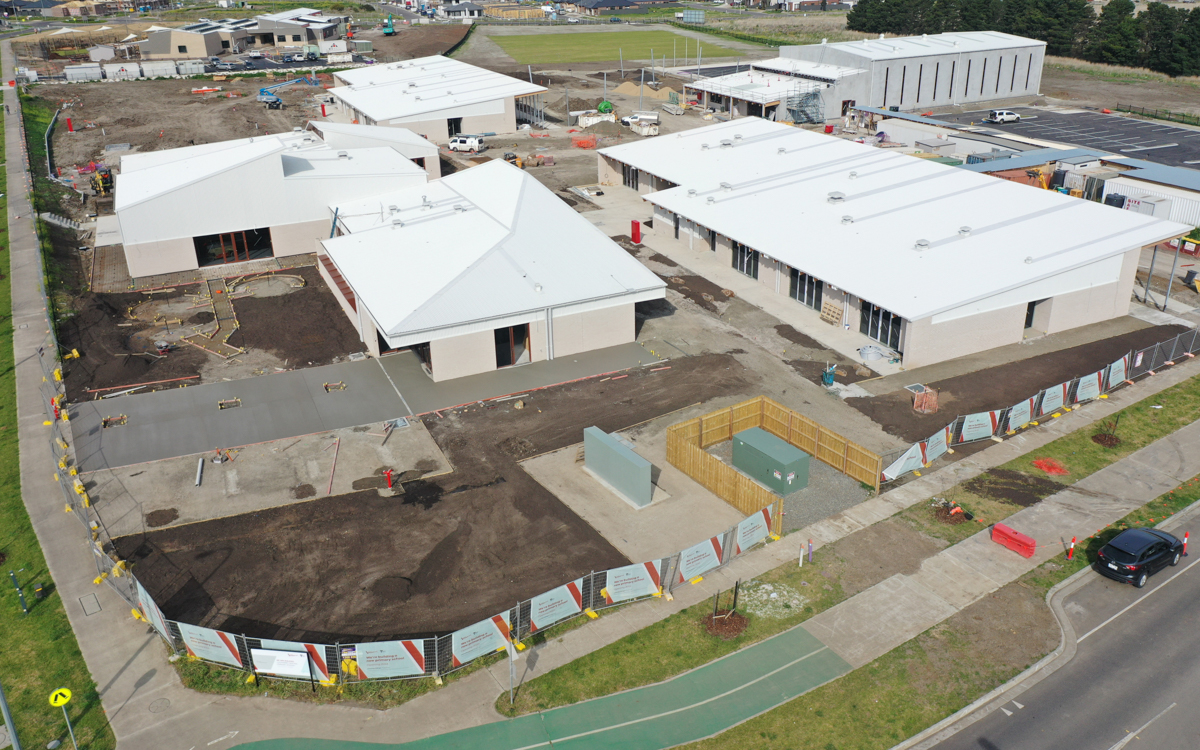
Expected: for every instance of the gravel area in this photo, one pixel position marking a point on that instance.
(829, 491)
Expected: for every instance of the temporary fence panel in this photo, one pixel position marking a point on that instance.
(210, 645)
(386, 660)
(979, 426)
(699, 559)
(1089, 387)
(1053, 399)
(151, 612)
(554, 606)
(480, 639)
(633, 582)
(937, 444)
(753, 529)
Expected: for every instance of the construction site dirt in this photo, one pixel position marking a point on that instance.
(443, 553)
(1002, 386)
(414, 41)
(115, 336)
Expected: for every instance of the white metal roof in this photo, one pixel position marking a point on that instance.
(340, 135)
(805, 68)
(893, 48)
(425, 84)
(480, 244)
(755, 86)
(767, 185)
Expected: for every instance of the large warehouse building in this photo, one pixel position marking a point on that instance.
(815, 82)
(930, 261)
(247, 199)
(483, 269)
(436, 97)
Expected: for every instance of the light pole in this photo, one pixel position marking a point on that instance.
(8, 721)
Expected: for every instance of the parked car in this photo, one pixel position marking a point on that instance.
(640, 117)
(225, 66)
(572, 20)
(254, 54)
(1136, 554)
(1001, 116)
(614, 19)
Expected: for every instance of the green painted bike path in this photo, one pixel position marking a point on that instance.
(689, 707)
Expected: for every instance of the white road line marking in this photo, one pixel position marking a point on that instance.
(1006, 712)
(1018, 705)
(229, 736)
(1129, 737)
(1136, 602)
(683, 708)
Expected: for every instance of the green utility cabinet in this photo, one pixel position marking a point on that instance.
(774, 462)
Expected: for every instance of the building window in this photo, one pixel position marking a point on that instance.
(282, 37)
(224, 44)
(936, 69)
(296, 38)
(999, 69)
(887, 72)
(745, 260)
(920, 75)
(233, 247)
(182, 49)
(879, 324)
(967, 80)
(1028, 71)
(806, 290)
(629, 176)
(1012, 85)
(903, 78)
(982, 76)
(512, 345)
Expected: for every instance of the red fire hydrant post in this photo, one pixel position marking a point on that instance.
(70, 127)
(388, 472)
(635, 231)
(1071, 550)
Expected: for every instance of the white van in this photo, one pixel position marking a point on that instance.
(1001, 116)
(470, 143)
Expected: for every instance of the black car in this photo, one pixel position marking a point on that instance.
(1136, 554)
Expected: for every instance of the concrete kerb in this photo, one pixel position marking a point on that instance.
(1043, 668)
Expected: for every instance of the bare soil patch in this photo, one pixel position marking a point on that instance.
(1004, 385)
(725, 625)
(415, 41)
(442, 553)
(1013, 487)
(881, 551)
(156, 518)
(1106, 439)
(812, 365)
(1070, 82)
(944, 515)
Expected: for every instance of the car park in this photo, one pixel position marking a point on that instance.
(225, 66)
(1136, 554)
(1001, 116)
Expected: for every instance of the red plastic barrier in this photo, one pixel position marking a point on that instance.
(1014, 540)
(635, 231)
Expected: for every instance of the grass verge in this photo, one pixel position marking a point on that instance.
(41, 652)
(602, 46)
(882, 703)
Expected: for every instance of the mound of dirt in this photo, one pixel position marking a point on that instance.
(1106, 439)
(1010, 486)
(605, 128)
(726, 625)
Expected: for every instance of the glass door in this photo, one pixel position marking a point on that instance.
(880, 325)
(806, 289)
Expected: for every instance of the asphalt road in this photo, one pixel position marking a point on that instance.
(1134, 682)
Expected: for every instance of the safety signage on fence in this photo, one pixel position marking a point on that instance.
(1053, 398)
(385, 659)
(281, 663)
(913, 459)
(1020, 414)
(1116, 372)
(699, 558)
(755, 528)
(151, 611)
(316, 652)
(633, 581)
(979, 426)
(210, 645)
(1089, 386)
(479, 639)
(937, 444)
(556, 604)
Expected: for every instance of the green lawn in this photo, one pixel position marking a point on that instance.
(40, 652)
(602, 46)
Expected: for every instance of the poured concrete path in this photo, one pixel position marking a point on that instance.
(185, 421)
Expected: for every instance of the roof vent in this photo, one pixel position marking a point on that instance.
(781, 151)
(847, 219)
(854, 175)
(726, 143)
(921, 245)
(458, 208)
(691, 193)
(711, 200)
(703, 146)
(397, 223)
(393, 209)
(343, 155)
(1029, 259)
(537, 288)
(297, 130)
(836, 197)
(824, 40)
(964, 231)
(736, 136)
(726, 186)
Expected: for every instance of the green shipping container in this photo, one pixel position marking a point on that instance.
(774, 462)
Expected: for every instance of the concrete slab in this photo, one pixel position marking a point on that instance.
(953, 581)
(108, 231)
(877, 620)
(265, 475)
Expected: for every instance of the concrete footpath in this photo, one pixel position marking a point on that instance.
(149, 708)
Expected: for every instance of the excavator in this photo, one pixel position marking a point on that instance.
(102, 180)
(389, 28)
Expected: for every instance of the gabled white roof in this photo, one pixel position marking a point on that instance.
(483, 243)
(893, 48)
(403, 140)
(425, 84)
(768, 186)
(755, 86)
(805, 68)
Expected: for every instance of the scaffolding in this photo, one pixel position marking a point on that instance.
(804, 107)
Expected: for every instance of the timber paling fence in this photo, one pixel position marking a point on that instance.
(1045, 404)
(687, 441)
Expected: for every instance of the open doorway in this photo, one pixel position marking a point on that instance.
(233, 247)
(1037, 317)
(512, 345)
(453, 126)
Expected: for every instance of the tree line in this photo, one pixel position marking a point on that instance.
(1161, 38)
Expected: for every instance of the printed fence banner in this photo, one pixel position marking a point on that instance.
(937, 444)
(979, 426)
(282, 663)
(314, 650)
(1116, 372)
(752, 530)
(385, 659)
(210, 645)
(633, 581)
(699, 558)
(479, 639)
(1137, 359)
(1053, 398)
(151, 611)
(1090, 386)
(913, 459)
(1020, 414)
(556, 604)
